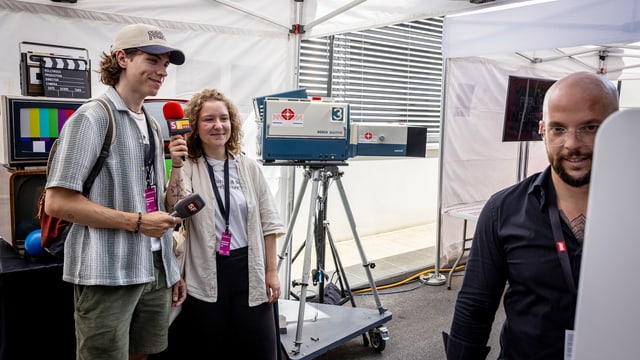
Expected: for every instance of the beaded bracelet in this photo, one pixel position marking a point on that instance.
(138, 223)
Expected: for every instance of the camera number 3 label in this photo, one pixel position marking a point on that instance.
(337, 114)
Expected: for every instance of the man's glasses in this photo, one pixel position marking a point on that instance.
(558, 135)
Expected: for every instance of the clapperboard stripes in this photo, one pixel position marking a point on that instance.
(65, 77)
(62, 63)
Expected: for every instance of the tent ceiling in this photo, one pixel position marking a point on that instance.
(616, 61)
(611, 59)
(267, 18)
(542, 24)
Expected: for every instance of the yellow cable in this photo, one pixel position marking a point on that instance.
(402, 282)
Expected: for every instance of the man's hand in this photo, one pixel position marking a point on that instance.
(179, 293)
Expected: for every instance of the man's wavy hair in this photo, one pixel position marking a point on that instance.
(192, 112)
(110, 70)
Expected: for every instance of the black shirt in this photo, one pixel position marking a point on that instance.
(513, 244)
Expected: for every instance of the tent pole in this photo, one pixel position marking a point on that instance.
(288, 173)
(436, 278)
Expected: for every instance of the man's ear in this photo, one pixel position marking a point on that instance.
(541, 127)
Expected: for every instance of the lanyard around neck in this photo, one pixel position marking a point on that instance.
(224, 208)
(149, 157)
(561, 246)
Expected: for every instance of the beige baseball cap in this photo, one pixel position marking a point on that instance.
(147, 38)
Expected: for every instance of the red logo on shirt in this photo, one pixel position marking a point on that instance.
(562, 247)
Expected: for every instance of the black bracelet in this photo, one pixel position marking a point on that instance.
(138, 223)
(176, 167)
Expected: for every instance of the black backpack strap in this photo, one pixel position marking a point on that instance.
(104, 153)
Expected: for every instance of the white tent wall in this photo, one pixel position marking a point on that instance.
(384, 194)
(243, 65)
(475, 162)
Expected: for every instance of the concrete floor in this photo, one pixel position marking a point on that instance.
(395, 254)
(420, 312)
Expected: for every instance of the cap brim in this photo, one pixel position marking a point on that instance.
(175, 56)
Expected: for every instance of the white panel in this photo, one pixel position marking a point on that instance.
(608, 311)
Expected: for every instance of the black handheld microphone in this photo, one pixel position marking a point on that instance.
(188, 206)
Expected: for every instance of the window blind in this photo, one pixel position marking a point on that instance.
(388, 74)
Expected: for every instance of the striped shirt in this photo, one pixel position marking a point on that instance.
(98, 256)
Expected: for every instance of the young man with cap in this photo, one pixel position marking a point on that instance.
(119, 252)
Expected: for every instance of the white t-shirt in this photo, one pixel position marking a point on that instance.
(141, 121)
(237, 207)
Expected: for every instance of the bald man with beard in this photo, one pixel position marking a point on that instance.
(528, 237)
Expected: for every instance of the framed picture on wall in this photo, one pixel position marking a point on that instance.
(524, 108)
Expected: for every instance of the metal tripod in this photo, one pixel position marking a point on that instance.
(316, 227)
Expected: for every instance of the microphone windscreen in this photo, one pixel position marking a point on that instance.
(188, 206)
(172, 110)
(173, 113)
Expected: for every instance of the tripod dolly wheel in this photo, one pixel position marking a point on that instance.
(378, 337)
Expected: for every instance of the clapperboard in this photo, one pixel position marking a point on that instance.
(54, 71)
(65, 77)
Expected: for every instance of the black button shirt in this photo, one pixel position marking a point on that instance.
(513, 244)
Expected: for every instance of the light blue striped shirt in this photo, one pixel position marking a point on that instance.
(98, 256)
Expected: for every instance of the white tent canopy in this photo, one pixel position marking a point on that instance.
(242, 47)
(258, 18)
(542, 25)
(542, 40)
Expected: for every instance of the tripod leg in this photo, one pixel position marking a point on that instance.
(286, 245)
(342, 275)
(363, 257)
(292, 221)
(307, 262)
(321, 215)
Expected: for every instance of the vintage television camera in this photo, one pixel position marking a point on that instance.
(387, 139)
(296, 129)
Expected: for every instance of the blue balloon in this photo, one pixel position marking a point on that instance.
(33, 244)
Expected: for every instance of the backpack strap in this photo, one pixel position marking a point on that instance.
(104, 153)
(52, 152)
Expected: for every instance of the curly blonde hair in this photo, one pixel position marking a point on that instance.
(192, 112)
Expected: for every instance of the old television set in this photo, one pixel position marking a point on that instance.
(19, 194)
(30, 125)
(525, 97)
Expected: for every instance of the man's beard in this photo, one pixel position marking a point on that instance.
(564, 176)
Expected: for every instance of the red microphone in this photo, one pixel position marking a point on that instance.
(173, 113)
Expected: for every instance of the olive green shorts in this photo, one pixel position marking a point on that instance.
(112, 321)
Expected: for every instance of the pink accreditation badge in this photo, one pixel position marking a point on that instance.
(225, 243)
(150, 199)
